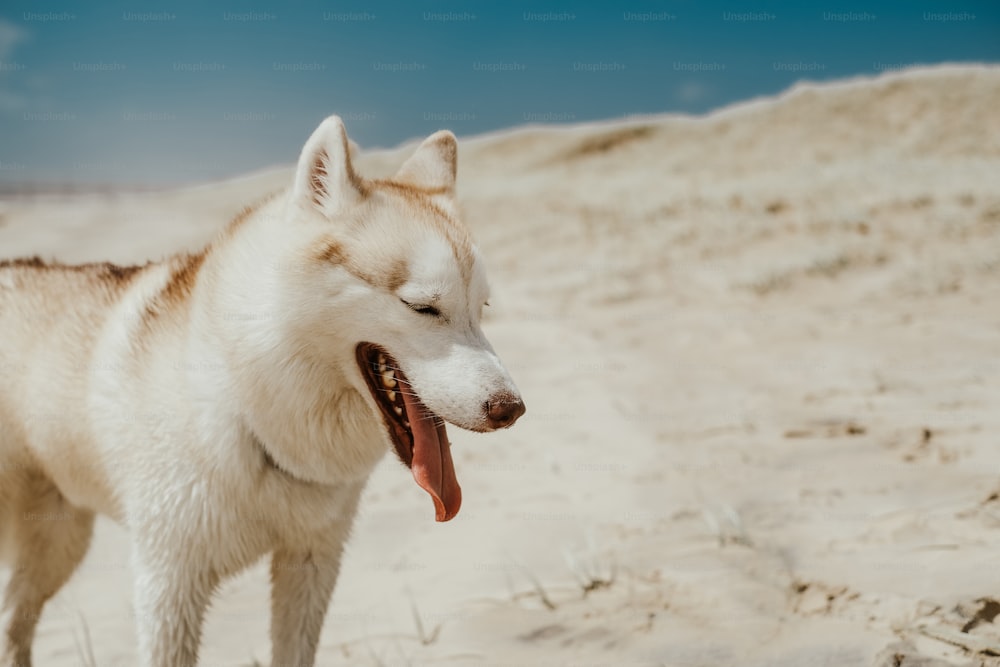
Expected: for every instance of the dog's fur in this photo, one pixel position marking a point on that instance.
(213, 403)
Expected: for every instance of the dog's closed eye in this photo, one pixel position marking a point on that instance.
(423, 309)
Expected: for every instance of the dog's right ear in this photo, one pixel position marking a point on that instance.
(324, 177)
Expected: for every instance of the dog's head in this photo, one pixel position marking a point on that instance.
(392, 292)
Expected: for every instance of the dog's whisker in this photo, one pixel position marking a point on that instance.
(399, 390)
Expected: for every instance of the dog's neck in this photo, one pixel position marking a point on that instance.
(310, 419)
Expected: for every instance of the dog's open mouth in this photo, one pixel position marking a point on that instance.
(419, 435)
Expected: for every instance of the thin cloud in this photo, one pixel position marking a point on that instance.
(10, 36)
(692, 92)
(11, 101)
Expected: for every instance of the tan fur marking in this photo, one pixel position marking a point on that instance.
(182, 279)
(410, 189)
(360, 184)
(453, 230)
(24, 263)
(246, 212)
(398, 275)
(355, 271)
(332, 252)
(113, 275)
(240, 218)
(359, 272)
(120, 274)
(178, 287)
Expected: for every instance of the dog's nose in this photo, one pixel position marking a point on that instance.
(503, 410)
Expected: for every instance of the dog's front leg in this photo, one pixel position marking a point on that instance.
(301, 586)
(303, 577)
(171, 594)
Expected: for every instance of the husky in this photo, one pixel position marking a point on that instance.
(230, 404)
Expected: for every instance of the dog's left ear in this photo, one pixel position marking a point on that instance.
(324, 177)
(434, 166)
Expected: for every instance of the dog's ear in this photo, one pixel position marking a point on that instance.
(324, 177)
(434, 166)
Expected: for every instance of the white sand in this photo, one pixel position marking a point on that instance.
(760, 354)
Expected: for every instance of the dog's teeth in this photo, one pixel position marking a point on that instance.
(388, 379)
(406, 423)
(392, 396)
(399, 410)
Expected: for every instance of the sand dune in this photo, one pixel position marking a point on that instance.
(759, 350)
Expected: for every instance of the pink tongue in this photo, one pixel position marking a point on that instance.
(432, 465)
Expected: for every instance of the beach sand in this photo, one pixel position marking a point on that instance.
(760, 352)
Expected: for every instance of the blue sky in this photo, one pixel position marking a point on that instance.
(175, 92)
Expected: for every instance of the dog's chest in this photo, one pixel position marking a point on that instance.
(279, 513)
(289, 506)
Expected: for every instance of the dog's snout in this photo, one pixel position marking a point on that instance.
(503, 410)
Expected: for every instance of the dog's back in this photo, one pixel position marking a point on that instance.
(50, 316)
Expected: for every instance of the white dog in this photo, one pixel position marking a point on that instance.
(232, 403)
